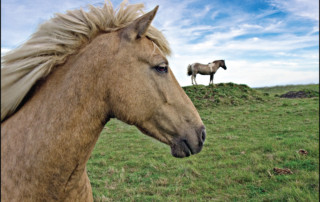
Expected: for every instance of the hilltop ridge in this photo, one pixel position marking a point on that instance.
(224, 94)
(238, 94)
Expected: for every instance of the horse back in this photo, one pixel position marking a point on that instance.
(201, 69)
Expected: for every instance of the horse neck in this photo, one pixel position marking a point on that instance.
(66, 112)
(216, 66)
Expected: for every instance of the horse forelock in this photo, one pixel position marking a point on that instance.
(57, 39)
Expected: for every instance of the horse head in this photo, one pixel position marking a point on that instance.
(146, 94)
(223, 64)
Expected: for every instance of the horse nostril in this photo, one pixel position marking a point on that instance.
(203, 135)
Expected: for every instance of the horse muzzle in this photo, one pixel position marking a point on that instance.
(186, 146)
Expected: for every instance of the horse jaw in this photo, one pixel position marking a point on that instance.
(182, 143)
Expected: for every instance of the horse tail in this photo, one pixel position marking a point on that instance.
(189, 70)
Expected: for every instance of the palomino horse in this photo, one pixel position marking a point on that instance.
(209, 69)
(63, 85)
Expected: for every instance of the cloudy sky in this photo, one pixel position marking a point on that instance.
(264, 42)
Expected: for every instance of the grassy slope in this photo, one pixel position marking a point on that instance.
(249, 133)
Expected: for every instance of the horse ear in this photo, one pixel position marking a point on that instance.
(139, 26)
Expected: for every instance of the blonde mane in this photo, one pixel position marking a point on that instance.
(55, 40)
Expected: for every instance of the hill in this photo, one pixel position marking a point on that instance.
(231, 94)
(224, 94)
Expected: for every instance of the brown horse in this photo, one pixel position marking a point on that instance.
(62, 86)
(209, 69)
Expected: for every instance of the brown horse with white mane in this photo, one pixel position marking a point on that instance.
(63, 85)
(209, 69)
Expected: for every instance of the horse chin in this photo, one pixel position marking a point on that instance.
(178, 153)
(182, 148)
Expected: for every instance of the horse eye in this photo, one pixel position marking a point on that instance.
(161, 69)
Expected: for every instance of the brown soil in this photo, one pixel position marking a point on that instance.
(296, 94)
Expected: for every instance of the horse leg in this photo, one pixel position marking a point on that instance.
(211, 77)
(192, 79)
(195, 79)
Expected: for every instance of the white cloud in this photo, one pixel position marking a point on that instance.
(21, 18)
(259, 47)
(266, 73)
(4, 50)
(282, 58)
(303, 8)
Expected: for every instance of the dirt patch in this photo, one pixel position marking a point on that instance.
(302, 152)
(300, 94)
(282, 171)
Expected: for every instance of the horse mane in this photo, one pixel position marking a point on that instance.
(58, 38)
(216, 61)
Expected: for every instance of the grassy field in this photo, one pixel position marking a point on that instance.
(276, 90)
(249, 132)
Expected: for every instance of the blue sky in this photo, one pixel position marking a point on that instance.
(264, 42)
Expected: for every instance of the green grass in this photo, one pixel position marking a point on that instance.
(249, 132)
(278, 90)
